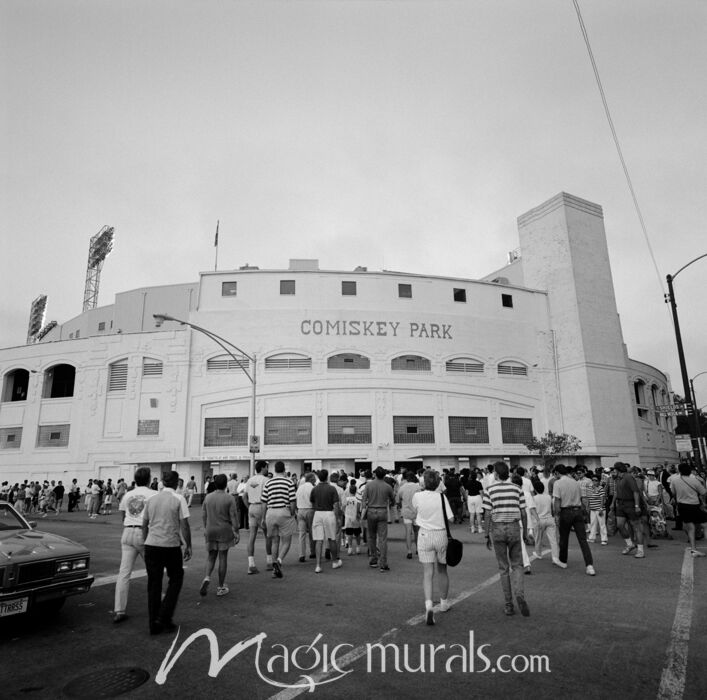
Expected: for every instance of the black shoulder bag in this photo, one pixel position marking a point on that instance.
(455, 548)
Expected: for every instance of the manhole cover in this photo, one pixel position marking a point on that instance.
(106, 683)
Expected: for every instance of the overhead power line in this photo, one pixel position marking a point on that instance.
(616, 142)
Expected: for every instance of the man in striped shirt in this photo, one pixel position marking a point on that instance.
(279, 497)
(504, 504)
(597, 520)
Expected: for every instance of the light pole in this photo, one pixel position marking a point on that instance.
(697, 413)
(670, 299)
(253, 442)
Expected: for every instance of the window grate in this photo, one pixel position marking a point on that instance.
(53, 435)
(411, 363)
(408, 430)
(348, 289)
(223, 432)
(148, 427)
(464, 366)
(468, 430)
(151, 368)
(516, 430)
(225, 363)
(349, 430)
(288, 430)
(10, 438)
(118, 376)
(348, 360)
(507, 369)
(280, 362)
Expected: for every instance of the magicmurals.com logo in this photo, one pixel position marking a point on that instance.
(319, 663)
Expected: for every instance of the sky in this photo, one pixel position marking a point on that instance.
(396, 135)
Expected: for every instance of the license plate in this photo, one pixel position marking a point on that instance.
(13, 607)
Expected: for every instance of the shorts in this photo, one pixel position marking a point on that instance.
(432, 546)
(408, 521)
(256, 515)
(214, 546)
(324, 525)
(691, 513)
(627, 510)
(475, 505)
(280, 522)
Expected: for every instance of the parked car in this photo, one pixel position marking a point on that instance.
(37, 568)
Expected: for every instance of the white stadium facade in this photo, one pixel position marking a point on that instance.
(353, 369)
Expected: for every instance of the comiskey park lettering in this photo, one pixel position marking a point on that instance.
(394, 329)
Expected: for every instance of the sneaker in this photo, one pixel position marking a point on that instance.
(430, 617)
(409, 556)
(605, 542)
(373, 563)
(628, 549)
(302, 560)
(204, 586)
(119, 617)
(222, 590)
(590, 571)
(592, 541)
(559, 563)
(523, 606)
(318, 570)
(527, 571)
(277, 571)
(253, 570)
(696, 553)
(337, 564)
(349, 551)
(640, 555)
(509, 609)
(444, 607)
(385, 568)
(269, 567)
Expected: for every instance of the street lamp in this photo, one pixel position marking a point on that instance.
(670, 299)
(254, 442)
(697, 412)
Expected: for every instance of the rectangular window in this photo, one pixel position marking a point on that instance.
(459, 294)
(413, 429)
(507, 300)
(288, 430)
(102, 326)
(468, 430)
(349, 430)
(405, 291)
(10, 438)
(287, 286)
(53, 435)
(224, 432)
(516, 431)
(118, 376)
(151, 368)
(348, 289)
(148, 427)
(229, 289)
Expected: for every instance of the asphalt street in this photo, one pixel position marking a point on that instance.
(635, 630)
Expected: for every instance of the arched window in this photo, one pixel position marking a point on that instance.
(151, 367)
(465, 365)
(348, 360)
(288, 360)
(15, 385)
(226, 363)
(59, 382)
(639, 392)
(411, 363)
(512, 369)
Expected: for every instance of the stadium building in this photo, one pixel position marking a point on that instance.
(343, 369)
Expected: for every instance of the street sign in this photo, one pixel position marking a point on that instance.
(675, 409)
(255, 444)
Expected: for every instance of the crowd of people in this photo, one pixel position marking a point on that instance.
(337, 514)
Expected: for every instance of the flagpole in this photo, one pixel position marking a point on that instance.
(216, 246)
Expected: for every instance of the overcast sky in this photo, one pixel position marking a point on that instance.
(399, 135)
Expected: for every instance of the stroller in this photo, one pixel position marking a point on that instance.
(657, 522)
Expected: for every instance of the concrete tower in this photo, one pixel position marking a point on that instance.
(564, 251)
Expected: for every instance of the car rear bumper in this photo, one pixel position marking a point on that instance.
(51, 591)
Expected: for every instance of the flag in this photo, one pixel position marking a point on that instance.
(216, 239)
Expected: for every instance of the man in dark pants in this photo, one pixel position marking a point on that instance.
(377, 497)
(569, 515)
(166, 518)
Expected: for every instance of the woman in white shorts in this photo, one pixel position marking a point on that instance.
(432, 541)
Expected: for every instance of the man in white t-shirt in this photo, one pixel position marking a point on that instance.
(132, 543)
(253, 499)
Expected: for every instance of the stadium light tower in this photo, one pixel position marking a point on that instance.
(98, 249)
(36, 318)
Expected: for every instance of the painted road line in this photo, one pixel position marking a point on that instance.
(108, 580)
(361, 650)
(672, 681)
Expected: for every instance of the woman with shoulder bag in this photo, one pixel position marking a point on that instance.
(432, 541)
(689, 494)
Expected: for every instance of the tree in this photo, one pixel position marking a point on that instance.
(553, 445)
